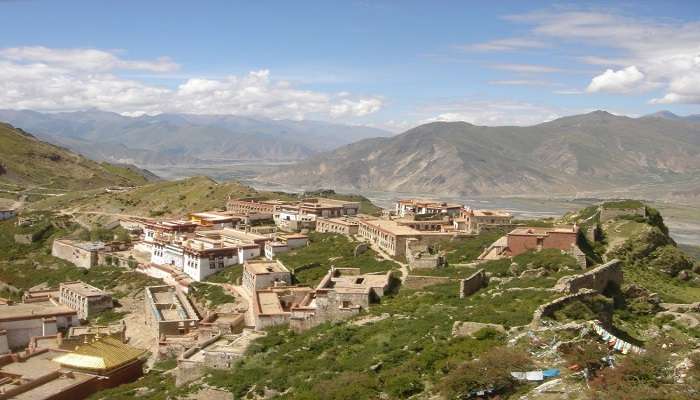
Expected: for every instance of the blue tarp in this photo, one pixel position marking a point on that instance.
(550, 373)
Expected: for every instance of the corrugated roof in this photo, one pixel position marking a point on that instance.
(102, 355)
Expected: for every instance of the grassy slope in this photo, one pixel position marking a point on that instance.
(24, 266)
(326, 250)
(27, 161)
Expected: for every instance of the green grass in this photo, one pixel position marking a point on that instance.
(326, 250)
(211, 295)
(231, 274)
(107, 317)
(465, 250)
(622, 204)
(670, 289)
(25, 266)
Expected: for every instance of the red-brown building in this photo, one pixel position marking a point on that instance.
(524, 239)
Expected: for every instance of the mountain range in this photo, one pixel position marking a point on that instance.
(595, 151)
(167, 139)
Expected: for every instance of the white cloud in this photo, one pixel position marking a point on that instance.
(527, 68)
(508, 44)
(520, 82)
(492, 113)
(664, 53)
(84, 59)
(71, 79)
(621, 81)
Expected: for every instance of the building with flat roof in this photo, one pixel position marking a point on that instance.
(523, 239)
(169, 312)
(262, 274)
(20, 322)
(248, 205)
(214, 219)
(273, 306)
(342, 225)
(82, 254)
(285, 243)
(408, 207)
(471, 221)
(86, 299)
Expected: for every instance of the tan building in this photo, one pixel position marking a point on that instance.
(387, 235)
(263, 274)
(344, 225)
(471, 221)
(82, 254)
(20, 322)
(253, 205)
(426, 207)
(86, 299)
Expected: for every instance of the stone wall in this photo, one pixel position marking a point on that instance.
(596, 279)
(606, 214)
(420, 256)
(419, 282)
(472, 284)
(548, 309)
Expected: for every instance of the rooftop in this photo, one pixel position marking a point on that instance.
(391, 227)
(429, 203)
(87, 246)
(101, 355)
(539, 231)
(83, 289)
(33, 310)
(349, 221)
(264, 267)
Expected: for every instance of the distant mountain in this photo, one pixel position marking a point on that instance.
(184, 138)
(578, 153)
(28, 162)
(669, 115)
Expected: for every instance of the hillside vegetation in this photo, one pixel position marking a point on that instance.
(26, 162)
(171, 198)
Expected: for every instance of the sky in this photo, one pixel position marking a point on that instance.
(389, 64)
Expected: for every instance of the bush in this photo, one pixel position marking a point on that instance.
(403, 384)
(492, 369)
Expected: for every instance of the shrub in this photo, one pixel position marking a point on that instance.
(492, 369)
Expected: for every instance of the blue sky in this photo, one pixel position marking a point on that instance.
(387, 64)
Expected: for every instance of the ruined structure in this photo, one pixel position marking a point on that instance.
(548, 309)
(218, 352)
(341, 294)
(473, 283)
(609, 213)
(597, 279)
(169, 312)
(423, 256)
(82, 254)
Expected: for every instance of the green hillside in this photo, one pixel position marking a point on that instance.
(27, 162)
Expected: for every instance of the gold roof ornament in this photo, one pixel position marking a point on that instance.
(100, 355)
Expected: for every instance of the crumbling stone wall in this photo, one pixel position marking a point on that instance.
(548, 309)
(606, 214)
(596, 279)
(420, 256)
(472, 284)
